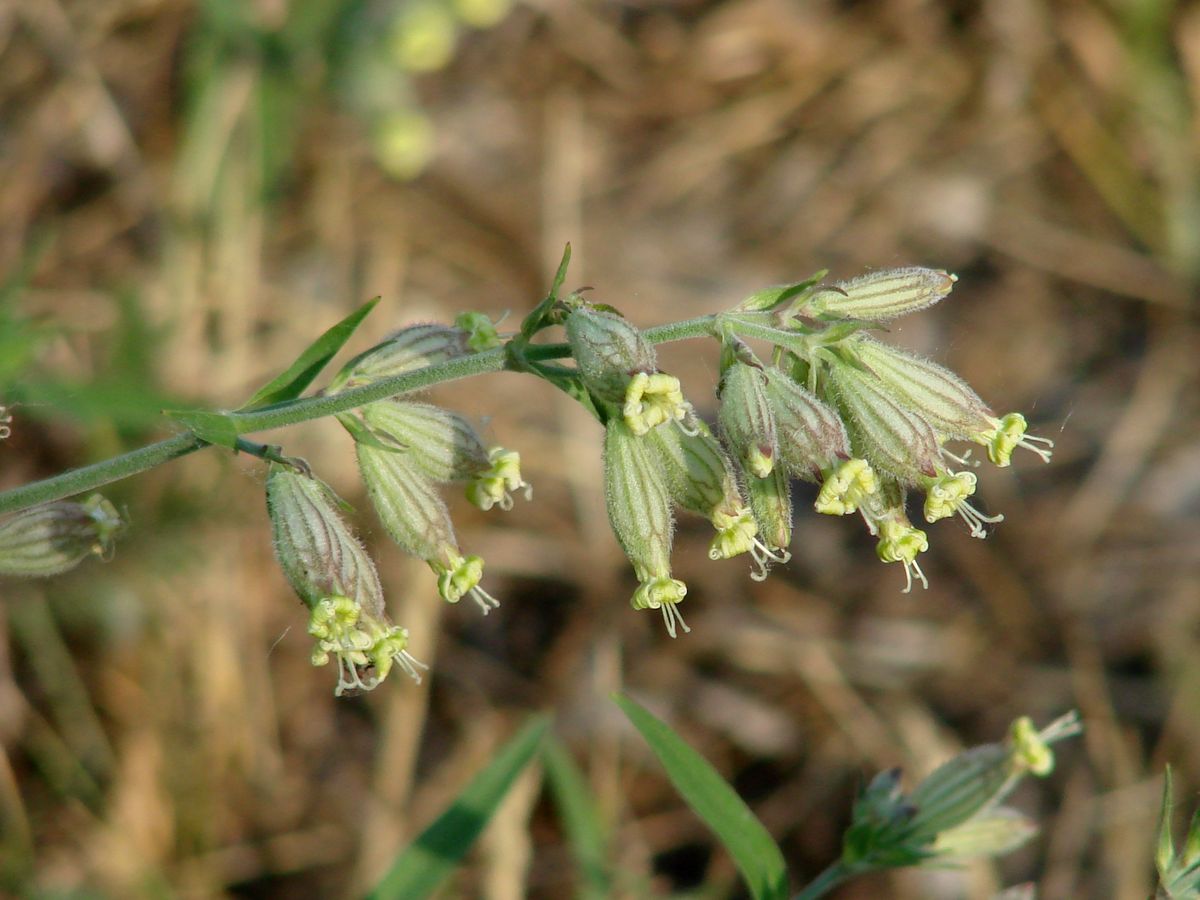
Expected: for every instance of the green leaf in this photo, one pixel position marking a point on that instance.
(714, 801)
(585, 830)
(308, 365)
(212, 427)
(772, 297)
(536, 320)
(423, 866)
(1164, 854)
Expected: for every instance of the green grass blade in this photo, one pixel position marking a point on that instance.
(428, 861)
(754, 852)
(585, 830)
(308, 365)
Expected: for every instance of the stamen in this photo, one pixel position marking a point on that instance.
(763, 556)
(485, 600)
(672, 617)
(975, 519)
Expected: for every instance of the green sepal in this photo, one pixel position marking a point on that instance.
(308, 365)
(215, 428)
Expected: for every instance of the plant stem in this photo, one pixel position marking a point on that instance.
(293, 412)
(834, 875)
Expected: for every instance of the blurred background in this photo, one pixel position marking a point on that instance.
(192, 191)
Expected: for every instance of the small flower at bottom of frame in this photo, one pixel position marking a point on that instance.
(56, 537)
(331, 572)
(415, 516)
(639, 509)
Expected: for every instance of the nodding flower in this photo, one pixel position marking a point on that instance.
(331, 572)
(1007, 434)
(651, 400)
(55, 537)
(899, 540)
(639, 510)
(495, 485)
(412, 512)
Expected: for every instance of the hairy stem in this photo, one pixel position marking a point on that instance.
(294, 412)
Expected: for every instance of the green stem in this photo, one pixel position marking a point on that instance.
(834, 875)
(294, 412)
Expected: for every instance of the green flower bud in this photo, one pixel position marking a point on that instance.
(747, 419)
(609, 351)
(408, 505)
(812, 438)
(960, 788)
(935, 393)
(885, 294)
(319, 554)
(992, 833)
(771, 504)
(882, 430)
(55, 537)
(411, 348)
(441, 444)
(639, 509)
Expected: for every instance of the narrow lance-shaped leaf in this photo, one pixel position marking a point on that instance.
(755, 853)
(308, 365)
(424, 866)
(586, 832)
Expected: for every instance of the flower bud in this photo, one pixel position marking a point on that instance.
(771, 503)
(319, 554)
(935, 393)
(811, 436)
(441, 444)
(882, 430)
(408, 349)
(408, 505)
(992, 833)
(55, 537)
(639, 510)
(608, 350)
(960, 788)
(885, 294)
(747, 419)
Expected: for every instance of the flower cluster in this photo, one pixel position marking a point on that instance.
(407, 450)
(863, 421)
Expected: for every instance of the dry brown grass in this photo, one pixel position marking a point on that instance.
(162, 732)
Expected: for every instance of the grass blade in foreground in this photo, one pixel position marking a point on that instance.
(581, 819)
(426, 863)
(752, 849)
